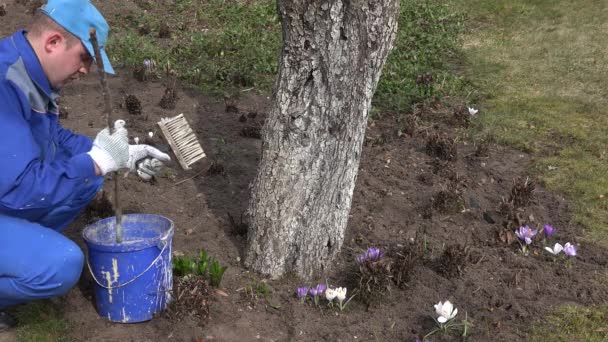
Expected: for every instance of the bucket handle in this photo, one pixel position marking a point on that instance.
(136, 277)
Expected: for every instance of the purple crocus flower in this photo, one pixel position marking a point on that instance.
(372, 254)
(317, 290)
(302, 292)
(549, 230)
(570, 249)
(525, 234)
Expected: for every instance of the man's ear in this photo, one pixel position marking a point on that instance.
(53, 40)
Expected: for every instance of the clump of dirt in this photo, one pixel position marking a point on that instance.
(482, 148)
(410, 124)
(216, 168)
(426, 211)
(405, 258)
(448, 171)
(379, 140)
(231, 107)
(63, 113)
(169, 99)
(99, 208)
(238, 228)
(522, 192)
(426, 78)
(2, 10)
(164, 31)
(35, 5)
(374, 278)
(425, 178)
(453, 261)
(144, 4)
(441, 146)
(139, 73)
(421, 110)
(425, 83)
(190, 299)
(254, 132)
(461, 116)
(240, 80)
(143, 29)
(448, 200)
(63, 110)
(133, 104)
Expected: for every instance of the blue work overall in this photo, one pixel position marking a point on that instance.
(46, 179)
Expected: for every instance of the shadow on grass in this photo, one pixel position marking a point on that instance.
(41, 321)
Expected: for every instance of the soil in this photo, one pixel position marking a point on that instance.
(443, 211)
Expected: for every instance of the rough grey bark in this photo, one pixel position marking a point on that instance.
(332, 57)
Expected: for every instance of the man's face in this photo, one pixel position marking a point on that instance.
(65, 62)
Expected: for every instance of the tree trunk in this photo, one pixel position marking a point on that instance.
(332, 57)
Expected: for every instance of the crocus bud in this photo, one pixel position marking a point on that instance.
(302, 292)
(549, 230)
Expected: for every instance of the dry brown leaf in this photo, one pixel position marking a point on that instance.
(221, 293)
(506, 236)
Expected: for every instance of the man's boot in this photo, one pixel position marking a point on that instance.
(6, 321)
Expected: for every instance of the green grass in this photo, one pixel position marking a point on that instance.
(41, 322)
(543, 83)
(222, 46)
(573, 324)
(427, 39)
(217, 45)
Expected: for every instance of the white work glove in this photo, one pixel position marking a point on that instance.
(146, 160)
(111, 152)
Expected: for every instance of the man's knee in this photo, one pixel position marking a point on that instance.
(68, 268)
(35, 262)
(56, 274)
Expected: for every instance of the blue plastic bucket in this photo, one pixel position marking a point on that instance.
(133, 278)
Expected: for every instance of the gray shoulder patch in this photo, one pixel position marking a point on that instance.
(17, 74)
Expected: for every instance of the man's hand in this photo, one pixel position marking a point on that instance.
(146, 160)
(110, 152)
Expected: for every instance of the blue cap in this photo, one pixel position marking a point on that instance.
(77, 17)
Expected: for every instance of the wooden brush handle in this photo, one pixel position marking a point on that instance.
(102, 78)
(108, 105)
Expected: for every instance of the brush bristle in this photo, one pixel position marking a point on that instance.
(182, 140)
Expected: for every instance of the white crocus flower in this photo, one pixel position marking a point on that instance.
(473, 111)
(330, 294)
(150, 134)
(341, 293)
(446, 311)
(136, 140)
(555, 250)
